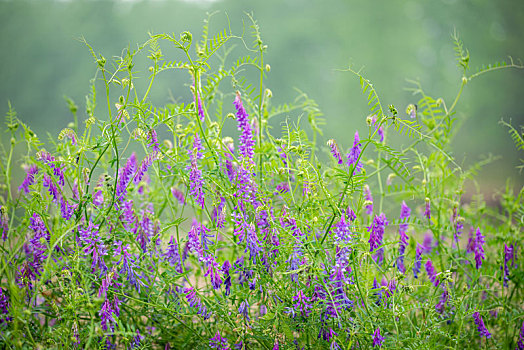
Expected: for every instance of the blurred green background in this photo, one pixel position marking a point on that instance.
(308, 43)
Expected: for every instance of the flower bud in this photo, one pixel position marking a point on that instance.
(268, 67)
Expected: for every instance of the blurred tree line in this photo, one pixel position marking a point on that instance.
(309, 42)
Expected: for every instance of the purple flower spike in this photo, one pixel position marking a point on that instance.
(376, 236)
(378, 340)
(520, 343)
(244, 310)
(432, 274)
(342, 231)
(153, 140)
(301, 304)
(125, 176)
(247, 143)
(4, 222)
(427, 210)
(93, 246)
(442, 302)
(217, 342)
(200, 107)
(479, 249)
(144, 166)
(369, 199)
(179, 195)
(196, 182)
(29, 178)
(418, 260)
(354, 154)
(172, 255)
(213, 269)
(509, 255)
(4, 308)
(335, 151)
(480, 325)
(405, 212)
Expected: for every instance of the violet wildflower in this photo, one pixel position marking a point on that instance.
(262, 310)
(128, 218)
(427, 244)
(219, 213)
(376, 236)
(520, 343)
(444, 297)
(282, 187)
(69, 134)
(342, 231)
(227, 278)
(247, 143)
(380, 130)
(194, 301)
(335, 151)
(244, 310)
(109, 312)
(4, 222)
(196, 182)
(418, 260)
(107, 282)
(247, 232)
(179, 195)
(294, 261)
(124, 177)
(144, 166)
(368, 204)
(128, 265)
(98, 198)
(351, 214)
(338, 299)
(29, 178)
(146, 229)
(217, 342)
(152, 140)
(379, 292)
(411, 110)
(327, 333)
(509, 255)
(172, 255)
(282, 154)
(405, 212)
(427, 210)
(458, 224)
(212, 269)
(194, 244)
(470, 248)
(334, 346)
(4, 308)
(66, 209)
(37, 246)
(53, 190)
(49, 160)
(301, 304)
(389, 287)
(378, 340)
(93, 246)
(480, 325)
(432, 274)
(354, 154)
(198, 102)
(136, 340)
(479, 249)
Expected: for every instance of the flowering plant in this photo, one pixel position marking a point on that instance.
(160, 226)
